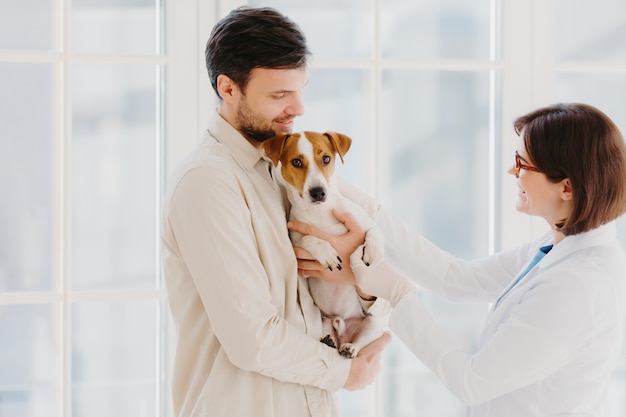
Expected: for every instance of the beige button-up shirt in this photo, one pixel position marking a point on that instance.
(247, 329)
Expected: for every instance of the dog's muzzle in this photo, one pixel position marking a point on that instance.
(318, 194)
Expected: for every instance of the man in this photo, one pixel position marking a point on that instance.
(248, 330)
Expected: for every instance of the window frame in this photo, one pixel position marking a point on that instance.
(523, 78)
(524, 72)
(178, 82)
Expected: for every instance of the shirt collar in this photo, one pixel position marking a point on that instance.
(243, 152)
(602, 235)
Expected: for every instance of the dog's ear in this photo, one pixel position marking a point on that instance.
(340, 141)
(273, 147)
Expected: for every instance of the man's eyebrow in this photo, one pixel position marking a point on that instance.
(282, 90)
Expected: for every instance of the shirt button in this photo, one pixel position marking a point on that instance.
(314, 404)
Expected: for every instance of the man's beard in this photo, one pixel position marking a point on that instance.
(253, 126)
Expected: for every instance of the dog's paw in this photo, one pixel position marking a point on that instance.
(323, 252)
(348, 350)
(329, 340)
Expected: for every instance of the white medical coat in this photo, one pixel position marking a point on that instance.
(549, 346)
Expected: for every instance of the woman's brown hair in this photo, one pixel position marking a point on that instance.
(579, 142)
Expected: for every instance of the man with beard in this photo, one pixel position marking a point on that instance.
(247, 329)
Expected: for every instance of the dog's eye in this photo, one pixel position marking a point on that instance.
(296, 163)
(325, 159)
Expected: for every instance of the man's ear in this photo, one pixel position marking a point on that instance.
(226, 87)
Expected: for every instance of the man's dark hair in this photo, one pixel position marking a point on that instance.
(251, 38)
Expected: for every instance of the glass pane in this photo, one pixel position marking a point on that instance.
(114, 178)
(434, 158)
(26, 24)
(434, 155)
(27, 367)
(411, 389)
(435, 29)
(114, 359)
(616, 403)
(358, 403)
(333, 28)
(116, 26)
(26, 156)
(608, 93)
(605, 91)
(602, 39)
(337, 100)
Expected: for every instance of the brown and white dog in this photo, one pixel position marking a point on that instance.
(306, 162)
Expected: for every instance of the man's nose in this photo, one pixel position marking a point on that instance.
(296, 105)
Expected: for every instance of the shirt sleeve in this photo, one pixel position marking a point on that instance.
(534, 341)
(433, 268)
(442, 273)
(210, 217)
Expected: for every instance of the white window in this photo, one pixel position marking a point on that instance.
(82, 308)
(99, 99)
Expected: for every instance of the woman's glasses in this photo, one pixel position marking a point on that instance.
(519, 165)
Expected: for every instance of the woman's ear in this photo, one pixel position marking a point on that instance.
(566, 190)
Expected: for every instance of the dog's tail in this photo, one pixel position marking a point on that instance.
(339, 325)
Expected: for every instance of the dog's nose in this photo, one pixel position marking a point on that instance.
(318, 194)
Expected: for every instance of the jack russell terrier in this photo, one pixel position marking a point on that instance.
(306, 162)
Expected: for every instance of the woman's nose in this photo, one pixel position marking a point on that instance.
(511, 170)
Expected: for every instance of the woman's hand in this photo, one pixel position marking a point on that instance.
(379, 278)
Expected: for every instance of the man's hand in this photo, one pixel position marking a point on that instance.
(366, 366)
(344, 245)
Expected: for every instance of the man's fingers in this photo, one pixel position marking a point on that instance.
(348, 220)
(342, 216)
(311, 273)
(377, 346)
(307, 229)
(302, 253)
(310, 265)
(384, 340)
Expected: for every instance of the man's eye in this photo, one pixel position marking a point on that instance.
(325, 159)
(296, 163)
(279, 95)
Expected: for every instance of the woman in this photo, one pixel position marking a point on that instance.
(554, 331)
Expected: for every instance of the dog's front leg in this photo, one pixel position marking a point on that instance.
(321, 250)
